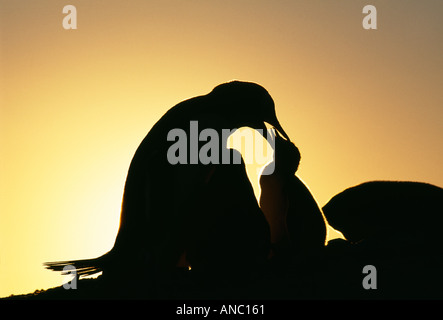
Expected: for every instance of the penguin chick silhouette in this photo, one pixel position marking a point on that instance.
(296, 221)
(158, 196)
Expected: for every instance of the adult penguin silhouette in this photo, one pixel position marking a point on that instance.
(380, 208)
(158, 195)
(296, 221)
(227, 240)
(396, 227)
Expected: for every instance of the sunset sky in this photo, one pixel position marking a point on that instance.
(75, 104)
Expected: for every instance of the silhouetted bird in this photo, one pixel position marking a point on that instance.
(228, 237)
(396, 228)
(378, 208)
(159, 197)
(294, 217)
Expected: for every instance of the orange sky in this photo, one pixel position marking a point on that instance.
(360, 104)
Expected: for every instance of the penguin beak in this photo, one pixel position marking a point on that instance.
(276, 125)
(280, 129)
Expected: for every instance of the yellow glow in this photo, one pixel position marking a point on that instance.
(75, 104)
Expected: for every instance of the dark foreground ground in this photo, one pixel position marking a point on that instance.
(400, 272)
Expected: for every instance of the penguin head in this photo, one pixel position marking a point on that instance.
(286, 155)
(247, 104)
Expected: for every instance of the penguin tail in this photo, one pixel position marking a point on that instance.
(83, 268)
